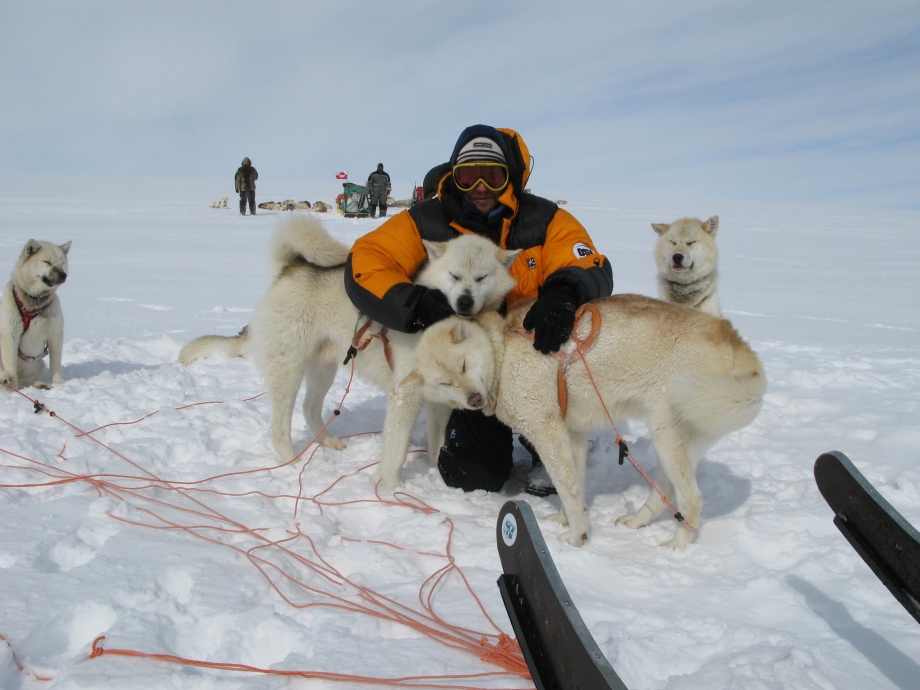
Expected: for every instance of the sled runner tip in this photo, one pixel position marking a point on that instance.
(559, 650)
(887, 542)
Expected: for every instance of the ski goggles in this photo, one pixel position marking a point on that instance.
(493, 175)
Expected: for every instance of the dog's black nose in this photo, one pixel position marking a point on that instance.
(465, 303)
(678, 259)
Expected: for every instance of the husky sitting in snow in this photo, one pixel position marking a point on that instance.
(219, 204)
(686, 255)
(31, 320)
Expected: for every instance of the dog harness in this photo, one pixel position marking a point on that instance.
(582, 347)
(27, 315)
(357, 344)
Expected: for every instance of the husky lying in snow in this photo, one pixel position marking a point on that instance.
(31, 320)
(686, 255)
(688, 374)
(304, 325)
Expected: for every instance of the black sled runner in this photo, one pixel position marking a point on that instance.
(559, 650)
(886, 541)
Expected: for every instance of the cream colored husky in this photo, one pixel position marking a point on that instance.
(31, 320)
(304, 324)
(687, 373)
(687, 258)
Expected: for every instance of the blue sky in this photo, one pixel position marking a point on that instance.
(779, 101)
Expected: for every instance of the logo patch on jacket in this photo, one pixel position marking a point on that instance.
(531, 263)
(582, 250)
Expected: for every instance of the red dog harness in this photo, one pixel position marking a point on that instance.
(27, 315)
(581, 348)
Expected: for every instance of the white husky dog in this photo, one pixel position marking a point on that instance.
(687, 257)
(31, 319)
(687, 373)
(304, 324)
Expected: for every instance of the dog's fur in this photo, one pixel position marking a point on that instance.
(219, 204)
(39, 271)
(687, 373)
(305, 322)
(687, 258)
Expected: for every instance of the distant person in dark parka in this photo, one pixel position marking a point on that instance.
(378, 184)
(246, 178)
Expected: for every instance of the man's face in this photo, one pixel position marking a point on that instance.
(483, 198)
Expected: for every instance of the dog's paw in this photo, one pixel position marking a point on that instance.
(285, 451)
(636, 520)
(389, 482)
(681, 538)
(57, 379)
(574, 538)
(41, 385)
(334, 442)
(559, 517)
(628, 520)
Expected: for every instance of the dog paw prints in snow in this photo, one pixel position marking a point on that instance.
(82, 546)
(177, 584)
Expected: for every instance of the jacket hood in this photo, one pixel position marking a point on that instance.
(246, 161)
(517, 155)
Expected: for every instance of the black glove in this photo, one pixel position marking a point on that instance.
(551, 318)
(432, 307)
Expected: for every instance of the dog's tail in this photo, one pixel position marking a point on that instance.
(209, 345)
(717, 404)
(302, 237)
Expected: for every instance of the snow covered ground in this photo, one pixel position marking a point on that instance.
(770, 595)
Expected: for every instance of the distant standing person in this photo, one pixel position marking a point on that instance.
(246, 178)
(378, 182)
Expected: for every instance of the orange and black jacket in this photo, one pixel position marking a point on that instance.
(556, 248)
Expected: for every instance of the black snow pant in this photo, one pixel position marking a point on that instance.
(378, 199)
(477, 452)
(249, 196)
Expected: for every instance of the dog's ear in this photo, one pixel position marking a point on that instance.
(32, 247)
(660, 228)
(66, 246)
(712, 225)
(506, 257)
(413, 380)
(435, 249)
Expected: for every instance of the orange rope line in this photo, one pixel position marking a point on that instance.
(505, 652)
(405, 681)
(619, 440)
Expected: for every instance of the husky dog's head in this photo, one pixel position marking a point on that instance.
(454, 365)
(41, 267)
(471, 271)
(686, 249)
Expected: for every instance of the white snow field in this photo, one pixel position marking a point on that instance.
(268, 567)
